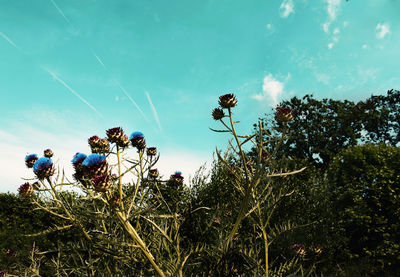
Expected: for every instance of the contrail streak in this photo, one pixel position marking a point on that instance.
(73, 91)
(100, 61)
(134, 103)
(10, 41)
(154, 111)
(61, 12)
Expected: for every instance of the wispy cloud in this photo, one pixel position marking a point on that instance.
(99, 60)
(61, 12)
(333, 7)
(9, 41)
(382, 30)
(130, 98)
(272, 88)
(58, 79)
(286, 8)
(154, 111)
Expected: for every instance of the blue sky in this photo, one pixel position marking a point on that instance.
(72, 69)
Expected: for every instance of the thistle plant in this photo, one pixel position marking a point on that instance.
(253, 175)
(124, 219)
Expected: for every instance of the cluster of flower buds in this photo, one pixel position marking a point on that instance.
(283, 114)
(177, 177)
(98, 145)
(25, 190)
(299, 249)
(137, 140)
(48, 153)
(226, 101)
(43, 168)
(116, 135)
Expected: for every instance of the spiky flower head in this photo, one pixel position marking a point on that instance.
(98, 145)
(283, 114)
(95, 164)
(78, 159)
(153, 173)
(25, 190)
(123, 141)
(218, 114)
(43, 168)
(137, 140)
(114, 134)
(10, 253)
(177, 177)
(3, 273)
(102, 183)
(316, 248)
(48, 153)
(227, 101)
(30, 160)
(299, 249)
(151, 151)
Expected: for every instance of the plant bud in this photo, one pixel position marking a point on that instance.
(30, 160)
(218, 113)
(227, 101)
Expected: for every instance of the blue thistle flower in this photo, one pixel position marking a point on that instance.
(43, 168)
(78, 158)
(30, 160)
(137, 140)
(93, 159)
(95, 164)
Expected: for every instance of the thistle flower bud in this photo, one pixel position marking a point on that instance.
(151, 151)
(43, 168)
(3, 273)
(153, 173)
(95, 164)
(283, 114)
(114, 134)
(25, 190)
(299, 249)
(218, 113)
(98, 145)
(102, 183)
(30, 160)
(77, 160)
(316, 248)
(137, 140)
(227, 101)
(114, 200)
(48, 153)
(177, 177)
(123, 141)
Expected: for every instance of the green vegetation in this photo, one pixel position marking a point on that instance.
(257, 213)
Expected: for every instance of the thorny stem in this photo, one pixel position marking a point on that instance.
(120, 177)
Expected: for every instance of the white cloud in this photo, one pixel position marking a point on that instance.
(364, 46)
(269, 26)
(286, 8)
(323, 78)
(330, 45)
(336, 31)
(345, 24)
(332, 9)
(382, 30)
(272, 88)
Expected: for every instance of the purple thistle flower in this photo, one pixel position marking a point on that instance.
(3, 273)
(30, 160)
(137, 140)
(43, 168)
(299, 249)
(25, 190)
